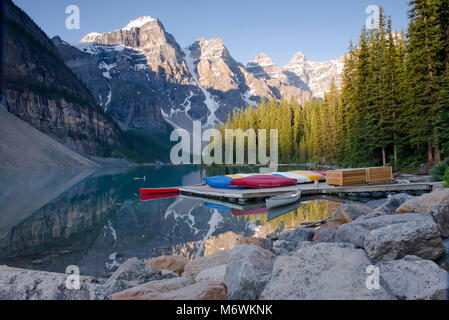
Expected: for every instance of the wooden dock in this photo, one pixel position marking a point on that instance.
(306, 189)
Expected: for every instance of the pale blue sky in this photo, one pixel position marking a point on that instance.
(321, 29)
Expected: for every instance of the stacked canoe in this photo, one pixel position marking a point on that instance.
(270, 180)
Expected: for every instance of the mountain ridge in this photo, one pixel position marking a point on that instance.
(201, 82)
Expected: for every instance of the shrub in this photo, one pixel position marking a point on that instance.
(439, 170)
(446, 178)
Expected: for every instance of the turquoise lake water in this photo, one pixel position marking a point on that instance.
(94, 219)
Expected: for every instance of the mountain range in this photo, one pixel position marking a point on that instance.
(119, 93)
(141, 75)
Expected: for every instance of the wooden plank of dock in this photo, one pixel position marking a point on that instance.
(306, 189)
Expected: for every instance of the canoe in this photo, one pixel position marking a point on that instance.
(276, 212)
(218, 207)
(220, 182)
(283, 200)
(301, 176)
(263, 181)
(156, 196)
(258, 211)
(145, 191)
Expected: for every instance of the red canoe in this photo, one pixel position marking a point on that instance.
(237, 212)
(263, 181)
(156, 196)
(145, 191)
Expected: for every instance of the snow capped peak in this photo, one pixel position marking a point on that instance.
(211, 43)
(261, 60)
(299, 57)
(90, 37)
(209, 49)
(138, 23)
(262, 55)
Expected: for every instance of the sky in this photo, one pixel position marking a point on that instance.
(321, 29)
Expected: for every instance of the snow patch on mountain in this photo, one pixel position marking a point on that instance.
(90, 37)
(138, 23)
(210, 102)
(107, 67)
(317, 75)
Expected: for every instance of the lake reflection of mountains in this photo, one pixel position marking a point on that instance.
(98, 222)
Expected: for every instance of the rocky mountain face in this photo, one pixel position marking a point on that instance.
(145, 76)
(40, 89)
(141, 76)
(262, 67)
(316, 75)
(299, 75)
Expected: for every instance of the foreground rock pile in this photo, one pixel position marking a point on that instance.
(395, 251)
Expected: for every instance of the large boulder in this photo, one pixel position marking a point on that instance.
(289, 240)
(175, 264)
(322, 271)
(193, 267)
(247, 272)
(435, 203)
(420, 238)
(393, 203)
(326, 232)
(297, 235)
(356, 231)
(339, 218)
(131, 273)
(20, 284)
(153, 287)
(261, 242)
(352, 211)
(203, 290)
(167, 274)
(413, 278)
(215, 273)
(284, 248)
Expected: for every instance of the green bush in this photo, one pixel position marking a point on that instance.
(446, 178)
(439, 170)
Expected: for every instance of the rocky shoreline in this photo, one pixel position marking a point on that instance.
(398, 250)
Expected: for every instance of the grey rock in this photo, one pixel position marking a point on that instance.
(322, 271)
(420, 238)
(353, 210)
(435, 203)
(297, 235)
(168, 274)
(215, 273)
(164, 285)
(356, 231)
(326, 235)
(393, 203)
(20, 284)
(195, 266)
(131, 273)
(353, 232)
(247, 272)
(373, 204)
(282, 247)
(413, 278)
(289, 240)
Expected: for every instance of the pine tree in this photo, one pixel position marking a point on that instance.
(426, 48)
